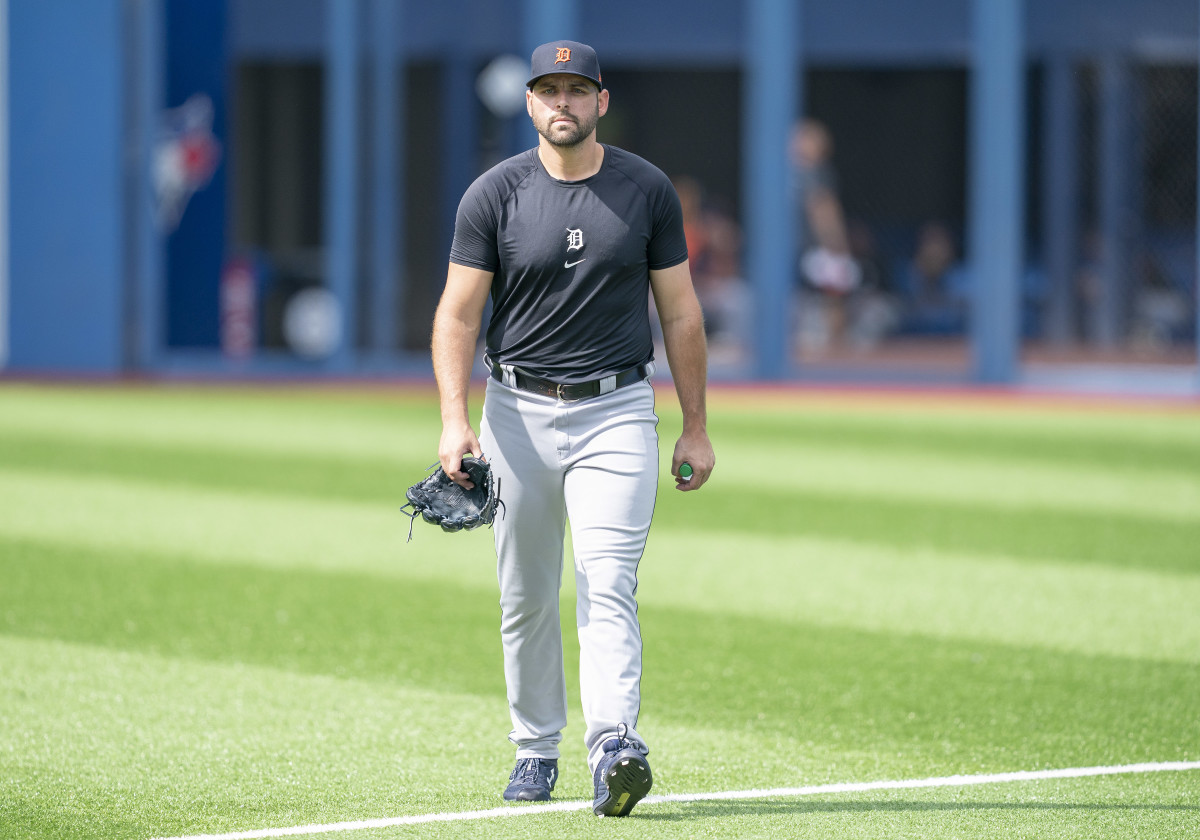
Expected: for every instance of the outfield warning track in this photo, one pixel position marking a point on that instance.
(770, 793)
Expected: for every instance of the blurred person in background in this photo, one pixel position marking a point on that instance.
(827, 272)
(933, 285)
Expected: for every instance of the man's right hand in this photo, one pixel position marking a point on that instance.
(455, 443)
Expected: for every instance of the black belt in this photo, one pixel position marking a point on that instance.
(569, 393)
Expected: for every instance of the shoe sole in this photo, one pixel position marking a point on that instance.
(627, 780)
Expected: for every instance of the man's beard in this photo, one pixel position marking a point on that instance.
(579, 132)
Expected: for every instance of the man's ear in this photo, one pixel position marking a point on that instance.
(603, 102)
(529, 102)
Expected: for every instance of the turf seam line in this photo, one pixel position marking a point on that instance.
(840, 787)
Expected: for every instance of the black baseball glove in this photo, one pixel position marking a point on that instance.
(440, 501)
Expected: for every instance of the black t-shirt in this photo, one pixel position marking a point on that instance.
(571, 261)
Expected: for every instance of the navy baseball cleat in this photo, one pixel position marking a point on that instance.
(532, 780)
(622, 779)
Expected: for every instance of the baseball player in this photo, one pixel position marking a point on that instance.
(567, 239)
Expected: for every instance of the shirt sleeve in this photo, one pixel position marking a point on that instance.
(475, 224)
(668, 245)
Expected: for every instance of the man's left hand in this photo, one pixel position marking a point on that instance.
(696, 451)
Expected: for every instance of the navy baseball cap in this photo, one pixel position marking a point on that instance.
(565, 57)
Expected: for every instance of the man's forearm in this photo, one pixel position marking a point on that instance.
(687, 355)
(453, 348)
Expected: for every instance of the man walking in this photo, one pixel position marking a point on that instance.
(568, 239)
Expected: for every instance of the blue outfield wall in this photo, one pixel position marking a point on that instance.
(66, 191)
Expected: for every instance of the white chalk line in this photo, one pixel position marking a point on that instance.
(811, 790)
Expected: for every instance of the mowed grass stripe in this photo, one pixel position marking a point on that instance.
(313, 474)
(963, 527)
(819, 582)
(871, 690)
(925, 591)
(1128, 441)
(1016, 412)
(1011, 482)
(227, 527)
(385, 427)
(379, 425)
(308, 526)
(1014, 481)
(107, 743)
(914, 701)
(299, 418)
(908, 700)
(341, 623)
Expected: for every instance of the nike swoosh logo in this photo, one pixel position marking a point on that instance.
(573, 264)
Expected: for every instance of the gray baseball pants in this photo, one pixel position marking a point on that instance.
(592, 463)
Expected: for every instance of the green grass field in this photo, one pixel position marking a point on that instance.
(211, 622)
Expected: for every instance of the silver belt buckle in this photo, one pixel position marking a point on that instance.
(563, 397)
